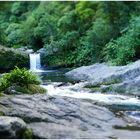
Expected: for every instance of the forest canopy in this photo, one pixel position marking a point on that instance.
(82, 32)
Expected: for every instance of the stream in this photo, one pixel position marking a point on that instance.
(58, 85)
(68, 103)
(68, 110)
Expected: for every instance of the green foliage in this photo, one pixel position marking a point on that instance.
(2, 37)
(18, 77)
(13, 33)
(90, 50)
(78, 33)
(125, 49)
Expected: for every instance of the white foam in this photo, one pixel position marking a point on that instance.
(107, 99)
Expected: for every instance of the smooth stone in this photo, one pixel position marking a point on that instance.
(11, 127)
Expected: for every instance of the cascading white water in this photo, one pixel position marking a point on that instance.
(35, 61)
(38, 63)
(77, 91)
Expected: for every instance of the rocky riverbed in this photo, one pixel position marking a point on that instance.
(65, 117)
(77, 110)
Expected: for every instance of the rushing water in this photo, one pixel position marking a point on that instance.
(35, 63)
(58, 85)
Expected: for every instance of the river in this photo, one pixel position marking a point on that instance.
(125, 108)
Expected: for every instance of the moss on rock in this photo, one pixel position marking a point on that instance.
(93, 87)
(111, 81)
(31, 89)
(11, 58)
(2, 113)
(1, 94)
(27, 134)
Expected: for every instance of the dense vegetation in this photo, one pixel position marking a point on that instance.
(20, 81)
(79, 33)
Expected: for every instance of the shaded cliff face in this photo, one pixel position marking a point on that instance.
(9, 58)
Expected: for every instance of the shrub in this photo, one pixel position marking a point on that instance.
(125, 48)
(24, 81)
(92, 43)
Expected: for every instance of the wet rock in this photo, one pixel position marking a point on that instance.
(128, 87)
(62, 117)
(133, 115)
(11, 127)
(104, 78)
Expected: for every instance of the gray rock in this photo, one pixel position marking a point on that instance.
(28, 51)
(49, 50)
(100, 72)
(11, 127)
(115, 78)
(25, 50)
(63, 117)
(128, 87)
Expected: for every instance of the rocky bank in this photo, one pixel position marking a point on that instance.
(62, 117)
(112, 79)
(71, 111)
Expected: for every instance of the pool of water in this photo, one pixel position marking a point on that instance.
(57, 75)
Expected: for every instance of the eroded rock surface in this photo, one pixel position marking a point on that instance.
(64, 117)
(124, 79)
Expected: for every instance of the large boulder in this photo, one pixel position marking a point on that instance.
(103, 77)
(102, 72)
(63, 117)
(11, 58)
(11, 127)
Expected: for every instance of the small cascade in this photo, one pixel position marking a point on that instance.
(35, 63)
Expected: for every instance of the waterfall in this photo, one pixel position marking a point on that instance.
(35, 61)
